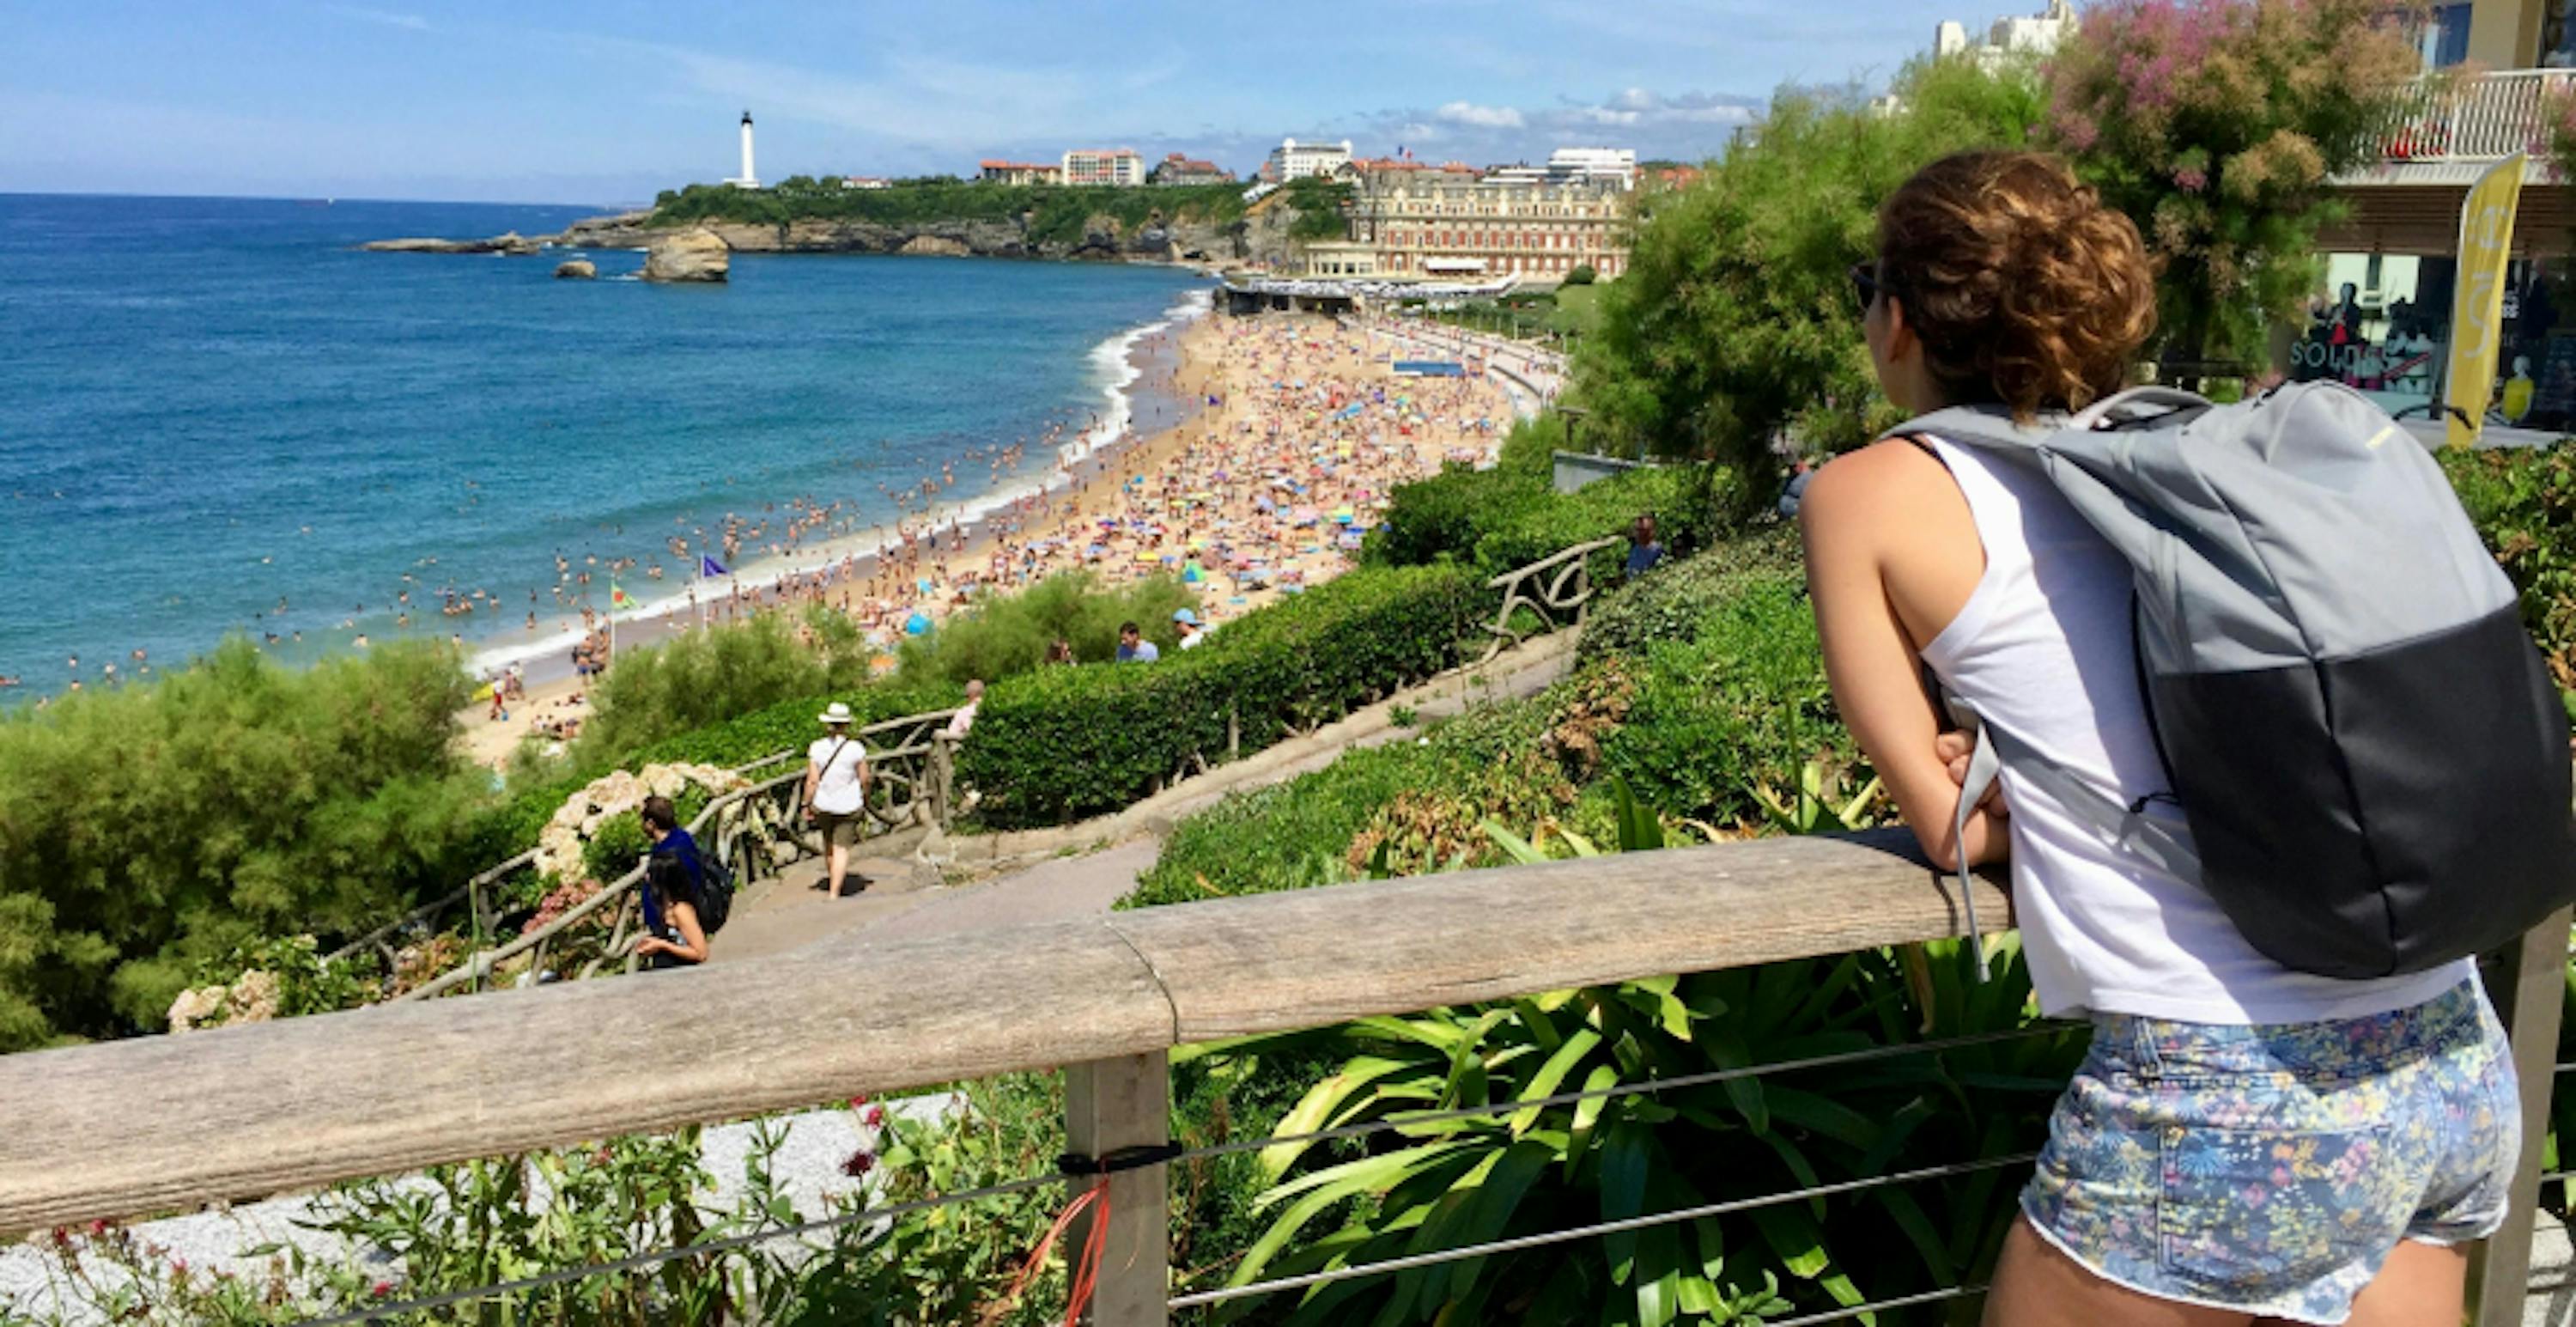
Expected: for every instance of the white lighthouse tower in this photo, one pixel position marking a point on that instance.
(747, 179)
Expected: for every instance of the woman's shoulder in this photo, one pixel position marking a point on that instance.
(1870, 482)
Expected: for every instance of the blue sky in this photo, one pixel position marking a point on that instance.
(538, 101)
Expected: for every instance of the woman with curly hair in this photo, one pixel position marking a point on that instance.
(2244, 1141)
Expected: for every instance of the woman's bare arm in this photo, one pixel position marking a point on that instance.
(1857, 515)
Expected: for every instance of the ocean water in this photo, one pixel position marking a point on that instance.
(217, 416)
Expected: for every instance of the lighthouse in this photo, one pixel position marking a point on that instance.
(747, 180)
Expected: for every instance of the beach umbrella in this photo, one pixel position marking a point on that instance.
(1192, 573)
(917, 624)
(883, 663)
(1344, 515)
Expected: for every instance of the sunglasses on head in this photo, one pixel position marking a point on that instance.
(1866, 284)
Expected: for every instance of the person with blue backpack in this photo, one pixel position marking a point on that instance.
(685, 897)
(2249, 709)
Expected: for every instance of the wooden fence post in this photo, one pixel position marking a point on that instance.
(1110, 1104)
(942, 767)
(2528, 984)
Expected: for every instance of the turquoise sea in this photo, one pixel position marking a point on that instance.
(210, 408)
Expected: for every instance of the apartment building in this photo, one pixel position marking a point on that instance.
(1116, 167)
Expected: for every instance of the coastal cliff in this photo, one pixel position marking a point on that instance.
(1211, 225)
(1261, 235)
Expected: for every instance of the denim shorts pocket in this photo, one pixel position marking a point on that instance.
(2246, 1212)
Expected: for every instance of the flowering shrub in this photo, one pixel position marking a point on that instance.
(286, 977)
(562, 850)
(560, 900)
(2216, 125)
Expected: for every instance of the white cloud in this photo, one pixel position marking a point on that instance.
(413, 22)
(1489, 117)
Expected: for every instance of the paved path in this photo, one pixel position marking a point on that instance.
(903, 900)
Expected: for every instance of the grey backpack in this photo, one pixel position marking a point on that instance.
(2369, 753)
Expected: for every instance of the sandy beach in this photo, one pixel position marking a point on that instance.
(1299, 431)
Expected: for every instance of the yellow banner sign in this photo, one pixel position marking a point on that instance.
(2477, 307)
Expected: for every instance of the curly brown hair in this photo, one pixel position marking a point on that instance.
(2022, 286)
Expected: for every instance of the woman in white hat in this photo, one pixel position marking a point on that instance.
(836, 789)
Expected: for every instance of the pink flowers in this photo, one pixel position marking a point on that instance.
(875, 1117)
(2191, 179)
(382, 1289)
(859, 1164)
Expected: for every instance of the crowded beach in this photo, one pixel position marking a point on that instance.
(1302, 428)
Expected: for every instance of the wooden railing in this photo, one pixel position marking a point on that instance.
(264, 1108)
(1559, 584)
(753, 831)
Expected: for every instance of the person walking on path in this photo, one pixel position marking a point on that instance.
(2245, 1141)
(963, 721)
(1192, 635)
(836, 790)
(1133, 647)
(674, 883)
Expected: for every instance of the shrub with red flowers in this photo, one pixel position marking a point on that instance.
(2217, 125)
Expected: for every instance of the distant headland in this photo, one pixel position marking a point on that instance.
(1212, 224)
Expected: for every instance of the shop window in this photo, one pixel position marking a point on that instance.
(2382, 326)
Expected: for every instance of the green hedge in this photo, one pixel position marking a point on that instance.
(1063, 744)
(1741, 703)
(2524, 502)
(1511, 516)
(1685, 592)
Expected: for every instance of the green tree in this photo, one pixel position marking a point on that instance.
(149, 830)
(2216, 125)
(1735, 324)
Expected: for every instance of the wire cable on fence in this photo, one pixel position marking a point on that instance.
(656, 1258)
(1545, 1238)
(1408, 1119)
(1411, 1119)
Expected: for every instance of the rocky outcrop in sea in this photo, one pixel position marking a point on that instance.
(509, 242)
(689, 255)
(578, 269)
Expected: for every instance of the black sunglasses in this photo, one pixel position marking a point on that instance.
(1866, 285)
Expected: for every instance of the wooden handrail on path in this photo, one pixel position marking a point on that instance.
(1569, 591)
(160, 1123)
(265, 1108)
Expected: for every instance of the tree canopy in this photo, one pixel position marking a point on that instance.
(1735, 324)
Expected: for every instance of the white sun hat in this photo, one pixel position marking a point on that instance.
(835, 713)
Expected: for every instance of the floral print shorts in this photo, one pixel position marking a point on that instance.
(2272, 1168)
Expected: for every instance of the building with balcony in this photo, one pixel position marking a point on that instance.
(2380, 318)
(1293, 160)
(1448, 221)
(1118, 168)
(1019, 172)
(1177, 169)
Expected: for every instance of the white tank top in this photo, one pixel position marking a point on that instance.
(2042, 649)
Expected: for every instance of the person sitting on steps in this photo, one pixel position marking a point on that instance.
(673, 877)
